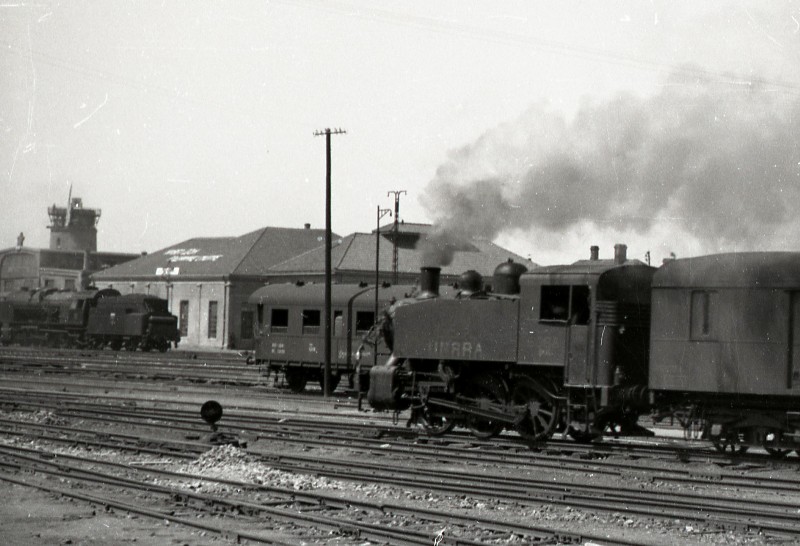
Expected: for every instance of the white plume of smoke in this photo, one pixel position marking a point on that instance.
(718, 161)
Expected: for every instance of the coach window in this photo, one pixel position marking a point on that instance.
(364, 321)
(701, 315)
(279, 321)
(260, 315)
(338, 323)
(311, 321)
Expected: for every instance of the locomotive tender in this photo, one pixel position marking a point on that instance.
(587, 348)
(87, 318)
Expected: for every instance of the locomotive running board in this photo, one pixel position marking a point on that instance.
(494, 415)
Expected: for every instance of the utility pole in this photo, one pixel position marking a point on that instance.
(396, 229)
(326, 384)
(381, 214)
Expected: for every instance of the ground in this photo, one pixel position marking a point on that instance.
(33, 517)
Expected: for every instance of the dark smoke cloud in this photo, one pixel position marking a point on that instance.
(719, 160)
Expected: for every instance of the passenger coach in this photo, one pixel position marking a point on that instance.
(291, 330)
(725, 344)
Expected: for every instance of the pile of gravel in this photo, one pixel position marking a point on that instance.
(231, 463)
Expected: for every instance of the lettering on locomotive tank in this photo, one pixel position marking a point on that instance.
(455, 349)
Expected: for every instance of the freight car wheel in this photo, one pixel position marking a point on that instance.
(771, 443)
(484, 389)
(296, 380)
(729, 442)
(334, 382)
(541, 415)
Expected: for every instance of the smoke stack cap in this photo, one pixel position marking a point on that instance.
(594, 253)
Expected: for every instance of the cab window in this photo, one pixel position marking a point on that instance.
(566, 303)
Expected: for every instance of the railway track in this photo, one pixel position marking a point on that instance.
(419, 526)
(296, 435)
(744, 515)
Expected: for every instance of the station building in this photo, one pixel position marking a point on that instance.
(207, 281)
(72, 253)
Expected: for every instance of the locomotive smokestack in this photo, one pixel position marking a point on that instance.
(429, 282)
(620, 253)
(594, 253)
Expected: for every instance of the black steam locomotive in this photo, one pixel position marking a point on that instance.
(89, 318)
(588, 348)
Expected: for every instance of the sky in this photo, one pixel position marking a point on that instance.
(547, 127)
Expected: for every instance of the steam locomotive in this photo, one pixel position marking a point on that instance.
(89, 318)
(588, 348)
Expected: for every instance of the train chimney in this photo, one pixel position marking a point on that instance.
(429, 282)
(620, 253)
(306, 226)
(594, 253)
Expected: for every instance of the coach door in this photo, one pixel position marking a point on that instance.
(794, 342)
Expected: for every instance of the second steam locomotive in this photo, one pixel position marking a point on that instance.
(87, 318)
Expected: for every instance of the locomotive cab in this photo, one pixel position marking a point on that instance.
(591, 320)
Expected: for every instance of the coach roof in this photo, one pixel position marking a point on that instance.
(311, 294)
(732, 270)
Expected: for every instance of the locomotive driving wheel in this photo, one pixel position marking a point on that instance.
(484, 390)
(542, 411)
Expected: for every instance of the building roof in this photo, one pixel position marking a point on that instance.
(71, 259)
(251, 254)
(356, 252)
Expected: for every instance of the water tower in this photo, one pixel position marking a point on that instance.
(73, 227)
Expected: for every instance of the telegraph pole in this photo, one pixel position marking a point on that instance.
(326, 384)
(381, 214)
(395, 230)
